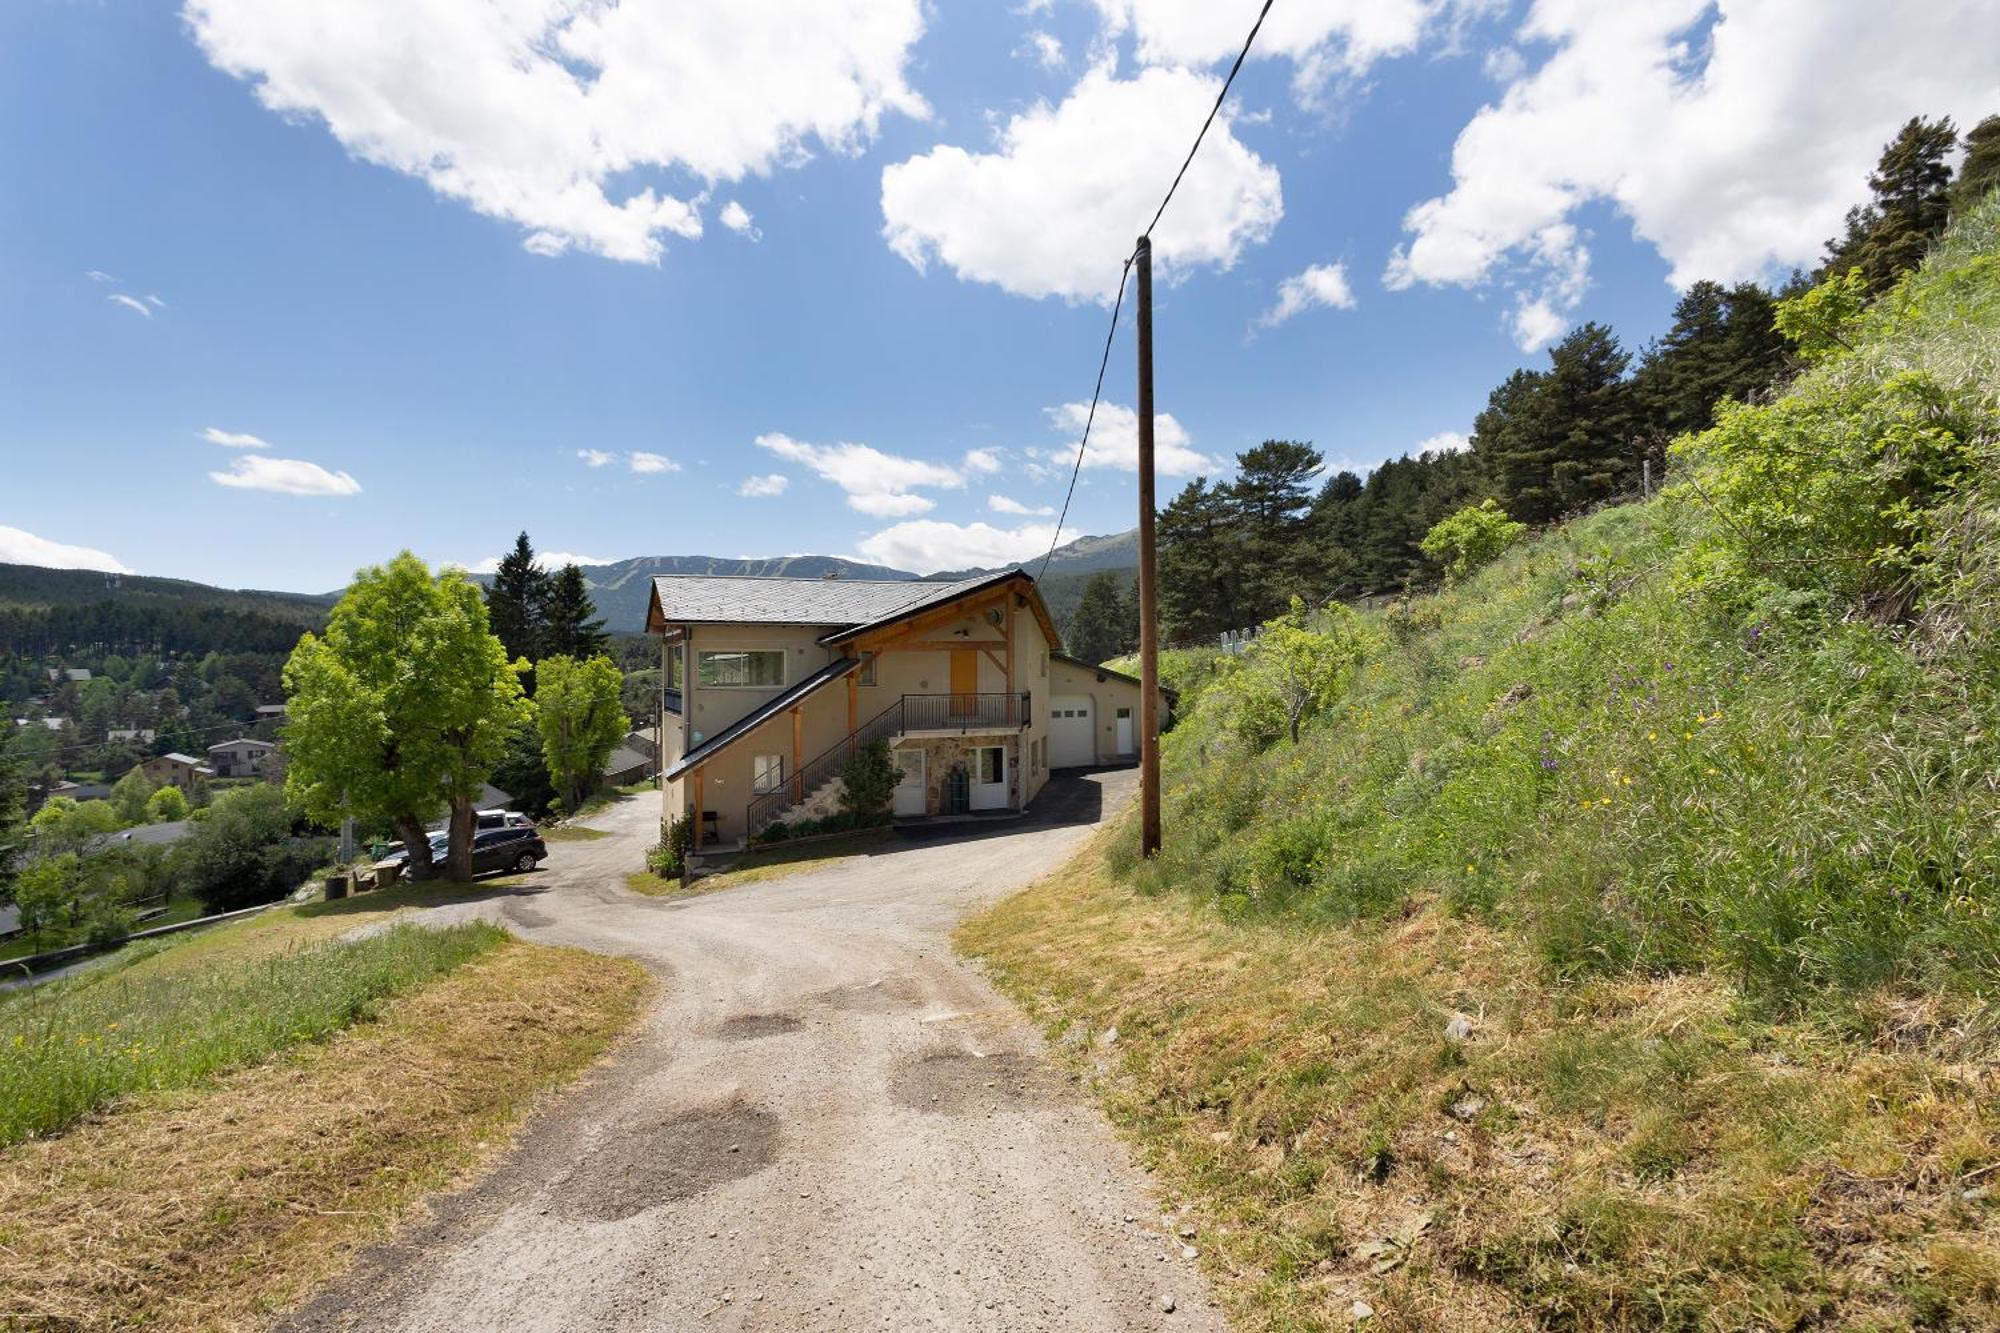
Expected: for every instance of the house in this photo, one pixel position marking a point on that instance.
(634, 759)
(77, 675)
(269, 711)
(176, 770)
(81, 791)
(47, 723)
(130, 735)
(774, 683)
(240, 758)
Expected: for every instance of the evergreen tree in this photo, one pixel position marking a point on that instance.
(570, 627)
(1980, 171)
(514, 602)
(1514, 436)
(1200, 565)
(13, 802)
(1270, 496)
(1723, 343)
(1094, 631)
(1888, 236)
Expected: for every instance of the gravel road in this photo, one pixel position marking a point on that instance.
(829, 1122)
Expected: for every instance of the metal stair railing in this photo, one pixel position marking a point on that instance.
(817, 772)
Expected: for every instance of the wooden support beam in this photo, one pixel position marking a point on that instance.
(695, 832)
(853, 703)
(798, 755)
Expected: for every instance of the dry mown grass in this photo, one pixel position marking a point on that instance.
(216, 1207)
(1629, 1154)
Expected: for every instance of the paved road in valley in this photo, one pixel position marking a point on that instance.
(828, 1122)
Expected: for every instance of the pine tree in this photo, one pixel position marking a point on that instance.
(1912, 202)
(1515, 437)
(1094, 629)
(13, 801)
(1329, 538)
(1201, 581)
(570, 627)
(1270, 496)
(1980, 171)
(1590, 412)
(1723, 344)
(514, 602)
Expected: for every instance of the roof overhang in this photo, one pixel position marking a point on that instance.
(1023, 586)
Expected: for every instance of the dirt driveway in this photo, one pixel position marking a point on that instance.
(829, 1123)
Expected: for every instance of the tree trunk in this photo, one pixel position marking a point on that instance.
(464, 822)
(418, 843)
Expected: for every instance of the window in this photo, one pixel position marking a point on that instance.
(867, 672)
(1124, 712)
(742, 668)
(675, 658)
(767, 773)
(992, 765)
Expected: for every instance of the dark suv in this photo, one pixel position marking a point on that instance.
(507, 849)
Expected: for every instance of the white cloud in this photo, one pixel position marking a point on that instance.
(875, 482)
(1044, 48)
(1321, 285)
(1324, 39)
(1001, 504)
(18, 547)
(596, 457)
(285, 476)
(130, 303)
(233, 439)
(99, 275)
(155, 302)
(1114, 441)
(641, 461)
(737, 218)
(540, 112)
(757, 488)
(1444, 442)
(983, 461)
(1504, 64)
(549, 560)
(1734, 136)
(1054, 209)
(927, 545)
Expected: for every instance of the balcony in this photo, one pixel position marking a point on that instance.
(961, 714)
(670, 699)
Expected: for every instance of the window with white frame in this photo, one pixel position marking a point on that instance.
(741, 668)
(767, 773)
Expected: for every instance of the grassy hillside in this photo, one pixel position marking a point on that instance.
(1616, 948)
(33, 586)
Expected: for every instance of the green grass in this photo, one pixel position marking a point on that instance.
(72, 1046)
(573, 833)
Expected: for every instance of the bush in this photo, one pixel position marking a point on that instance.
(1474, 536)
(668, 857)
(844, 822)
(868, 780)
(165, 805)
(238, 856)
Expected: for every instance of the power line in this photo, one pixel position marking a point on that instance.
(1126, 272)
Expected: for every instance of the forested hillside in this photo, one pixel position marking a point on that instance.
(1607, 939)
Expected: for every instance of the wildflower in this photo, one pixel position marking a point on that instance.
(1470, 869)
(1652, 735)
(1687, 735)
(1626, 781)
(1711, 772)
(1586, 803)
(1605, 801)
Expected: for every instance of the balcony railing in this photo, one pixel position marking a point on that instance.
(963, 713)
(671, 701)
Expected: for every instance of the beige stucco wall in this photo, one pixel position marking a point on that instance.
(1108, 694)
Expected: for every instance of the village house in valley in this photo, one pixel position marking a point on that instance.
(240, 758)
(176, 770)
(773, 683)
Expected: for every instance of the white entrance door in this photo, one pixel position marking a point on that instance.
(1125, 745)
(989, 777)
(1072, 742)
(910, 791)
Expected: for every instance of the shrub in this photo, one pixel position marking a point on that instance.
(165, 805)
(868, 780)
(237, 857)
(668, 857)
(1474, 536)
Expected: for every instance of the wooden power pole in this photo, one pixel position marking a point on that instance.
(1149, 619)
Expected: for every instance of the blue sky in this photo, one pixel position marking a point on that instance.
(432, 272)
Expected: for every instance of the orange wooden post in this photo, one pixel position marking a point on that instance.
(798, 756)
(695, 832)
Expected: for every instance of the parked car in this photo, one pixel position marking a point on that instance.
(510, 848)
(398, 854)
(489, 819)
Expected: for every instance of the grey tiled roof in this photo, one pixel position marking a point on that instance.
(707, 599)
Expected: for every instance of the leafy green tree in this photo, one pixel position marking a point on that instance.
(46, 893)
(1823, 320)
(514, 602)
(1096, 629)
(523, 773)
(1474, 536)
(166, 805)
(1304, 666)
(129, 796)
(570, 627)
(241, 854)
(582, 718)
(403, 707)
(1980, 171)
(63, 825)
(1911, 204)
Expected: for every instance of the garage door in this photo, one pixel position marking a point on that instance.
(1072, 742)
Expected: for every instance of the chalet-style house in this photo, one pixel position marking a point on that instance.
(773, 683)
(240, 758)
(176, 770)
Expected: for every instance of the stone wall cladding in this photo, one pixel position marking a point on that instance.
(943, 753)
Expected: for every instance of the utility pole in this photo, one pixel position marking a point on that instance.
(1149, 633)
